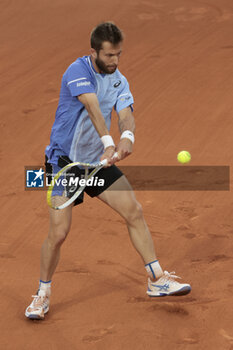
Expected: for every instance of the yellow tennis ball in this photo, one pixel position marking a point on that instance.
(184, 157)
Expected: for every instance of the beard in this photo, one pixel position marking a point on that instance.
(104, 68)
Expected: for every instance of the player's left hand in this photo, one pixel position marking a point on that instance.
(124, 148)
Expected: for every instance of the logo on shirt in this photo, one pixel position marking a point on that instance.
(117, 84)
(84, 83)
(34, 178)
(125, 98)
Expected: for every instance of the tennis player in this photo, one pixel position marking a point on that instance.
(91, 87)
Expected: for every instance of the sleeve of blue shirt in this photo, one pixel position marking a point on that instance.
(79, 80)
(124, 98)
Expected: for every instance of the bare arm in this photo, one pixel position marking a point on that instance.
(126, 122)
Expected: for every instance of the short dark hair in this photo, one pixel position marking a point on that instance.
(106, 31)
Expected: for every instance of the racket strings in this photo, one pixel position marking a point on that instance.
(66, 184)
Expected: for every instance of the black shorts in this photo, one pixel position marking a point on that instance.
(109, 175)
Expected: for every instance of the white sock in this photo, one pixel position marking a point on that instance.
(154, 269)
(46, 286)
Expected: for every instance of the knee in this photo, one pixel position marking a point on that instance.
(57, 235)
(134, 213)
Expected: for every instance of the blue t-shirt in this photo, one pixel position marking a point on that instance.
(73, 133)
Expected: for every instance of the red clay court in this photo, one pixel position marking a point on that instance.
(178, 59)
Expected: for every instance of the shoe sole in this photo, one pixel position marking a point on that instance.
(36, 316)
(183, 291)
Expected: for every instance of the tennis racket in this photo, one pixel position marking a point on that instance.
(66, 186)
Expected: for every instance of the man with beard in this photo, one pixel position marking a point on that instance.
(91, 87)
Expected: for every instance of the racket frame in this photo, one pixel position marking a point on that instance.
(96, 167)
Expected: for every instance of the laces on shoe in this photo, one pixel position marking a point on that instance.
(166, 277)
(39, 301)
(170, 276)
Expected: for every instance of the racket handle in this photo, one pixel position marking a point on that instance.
(105, 162)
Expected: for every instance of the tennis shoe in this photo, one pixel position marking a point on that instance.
(39, 306)
(167, 285)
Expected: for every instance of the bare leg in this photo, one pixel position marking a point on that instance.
(60, 221)
(125, 203)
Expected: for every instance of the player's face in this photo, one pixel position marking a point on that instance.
(107, 59)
